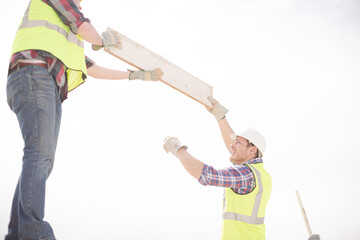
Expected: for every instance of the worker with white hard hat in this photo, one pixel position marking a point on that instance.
(47, 62)
(247, 184)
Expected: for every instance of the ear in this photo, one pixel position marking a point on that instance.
(253, 150)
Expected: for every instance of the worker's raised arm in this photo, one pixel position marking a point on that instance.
(88, 32)
(226, 132)
(109, 38)
(99, 72)
(219, 113)
(70, 14)
(192, 165)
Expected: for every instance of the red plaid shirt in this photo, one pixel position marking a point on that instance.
(239, 178)
(71, 16)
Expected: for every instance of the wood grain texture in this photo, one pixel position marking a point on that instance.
(144, 59)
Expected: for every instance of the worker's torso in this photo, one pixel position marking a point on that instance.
(243, 215)
(42, 29)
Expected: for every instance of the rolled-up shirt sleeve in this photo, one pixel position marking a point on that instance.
(238, 177)
(89, 62)
(69, 13)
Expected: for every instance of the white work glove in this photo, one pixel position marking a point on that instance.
(218, 110)
(111, 38)
(154, 75)
(172, 144)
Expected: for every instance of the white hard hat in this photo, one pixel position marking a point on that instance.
(254, 137)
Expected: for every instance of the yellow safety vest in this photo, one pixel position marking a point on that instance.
(42, 29)
(243, 215)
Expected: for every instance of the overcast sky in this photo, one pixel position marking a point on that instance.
(289, 68)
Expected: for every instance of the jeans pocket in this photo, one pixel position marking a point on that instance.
(15, 91)
(40, 80)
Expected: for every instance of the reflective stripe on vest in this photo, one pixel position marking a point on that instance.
(42, 29)
(70, 36)
(243, 215)
(253, 219)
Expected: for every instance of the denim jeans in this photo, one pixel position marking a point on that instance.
(32, 95)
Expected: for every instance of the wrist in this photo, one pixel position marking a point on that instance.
(132, 75)
(180, 150)
(219, 117)
(99, 46)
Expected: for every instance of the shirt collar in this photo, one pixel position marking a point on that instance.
(253, 161)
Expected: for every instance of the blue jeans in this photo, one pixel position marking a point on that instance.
(32, 95)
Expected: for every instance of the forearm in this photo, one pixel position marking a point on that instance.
(104, 73)
(190, 163)
(88, 32)
(226, 132)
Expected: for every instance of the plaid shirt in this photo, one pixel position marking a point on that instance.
(71, 16)
(239, 178)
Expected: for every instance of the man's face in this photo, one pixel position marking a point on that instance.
(241, 151)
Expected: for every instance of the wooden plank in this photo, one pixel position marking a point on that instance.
(143, 59)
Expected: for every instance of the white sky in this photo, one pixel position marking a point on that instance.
(289, 68)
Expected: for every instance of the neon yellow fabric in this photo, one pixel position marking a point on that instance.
(42, 29)
(244, 214)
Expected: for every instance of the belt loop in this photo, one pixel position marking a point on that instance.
(18, 66)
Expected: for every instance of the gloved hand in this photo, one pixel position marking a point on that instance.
(217, 110)
(111, 38)
(153, 75)
(173, 145)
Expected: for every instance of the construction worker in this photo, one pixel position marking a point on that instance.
(247, 184)
(47, 62)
